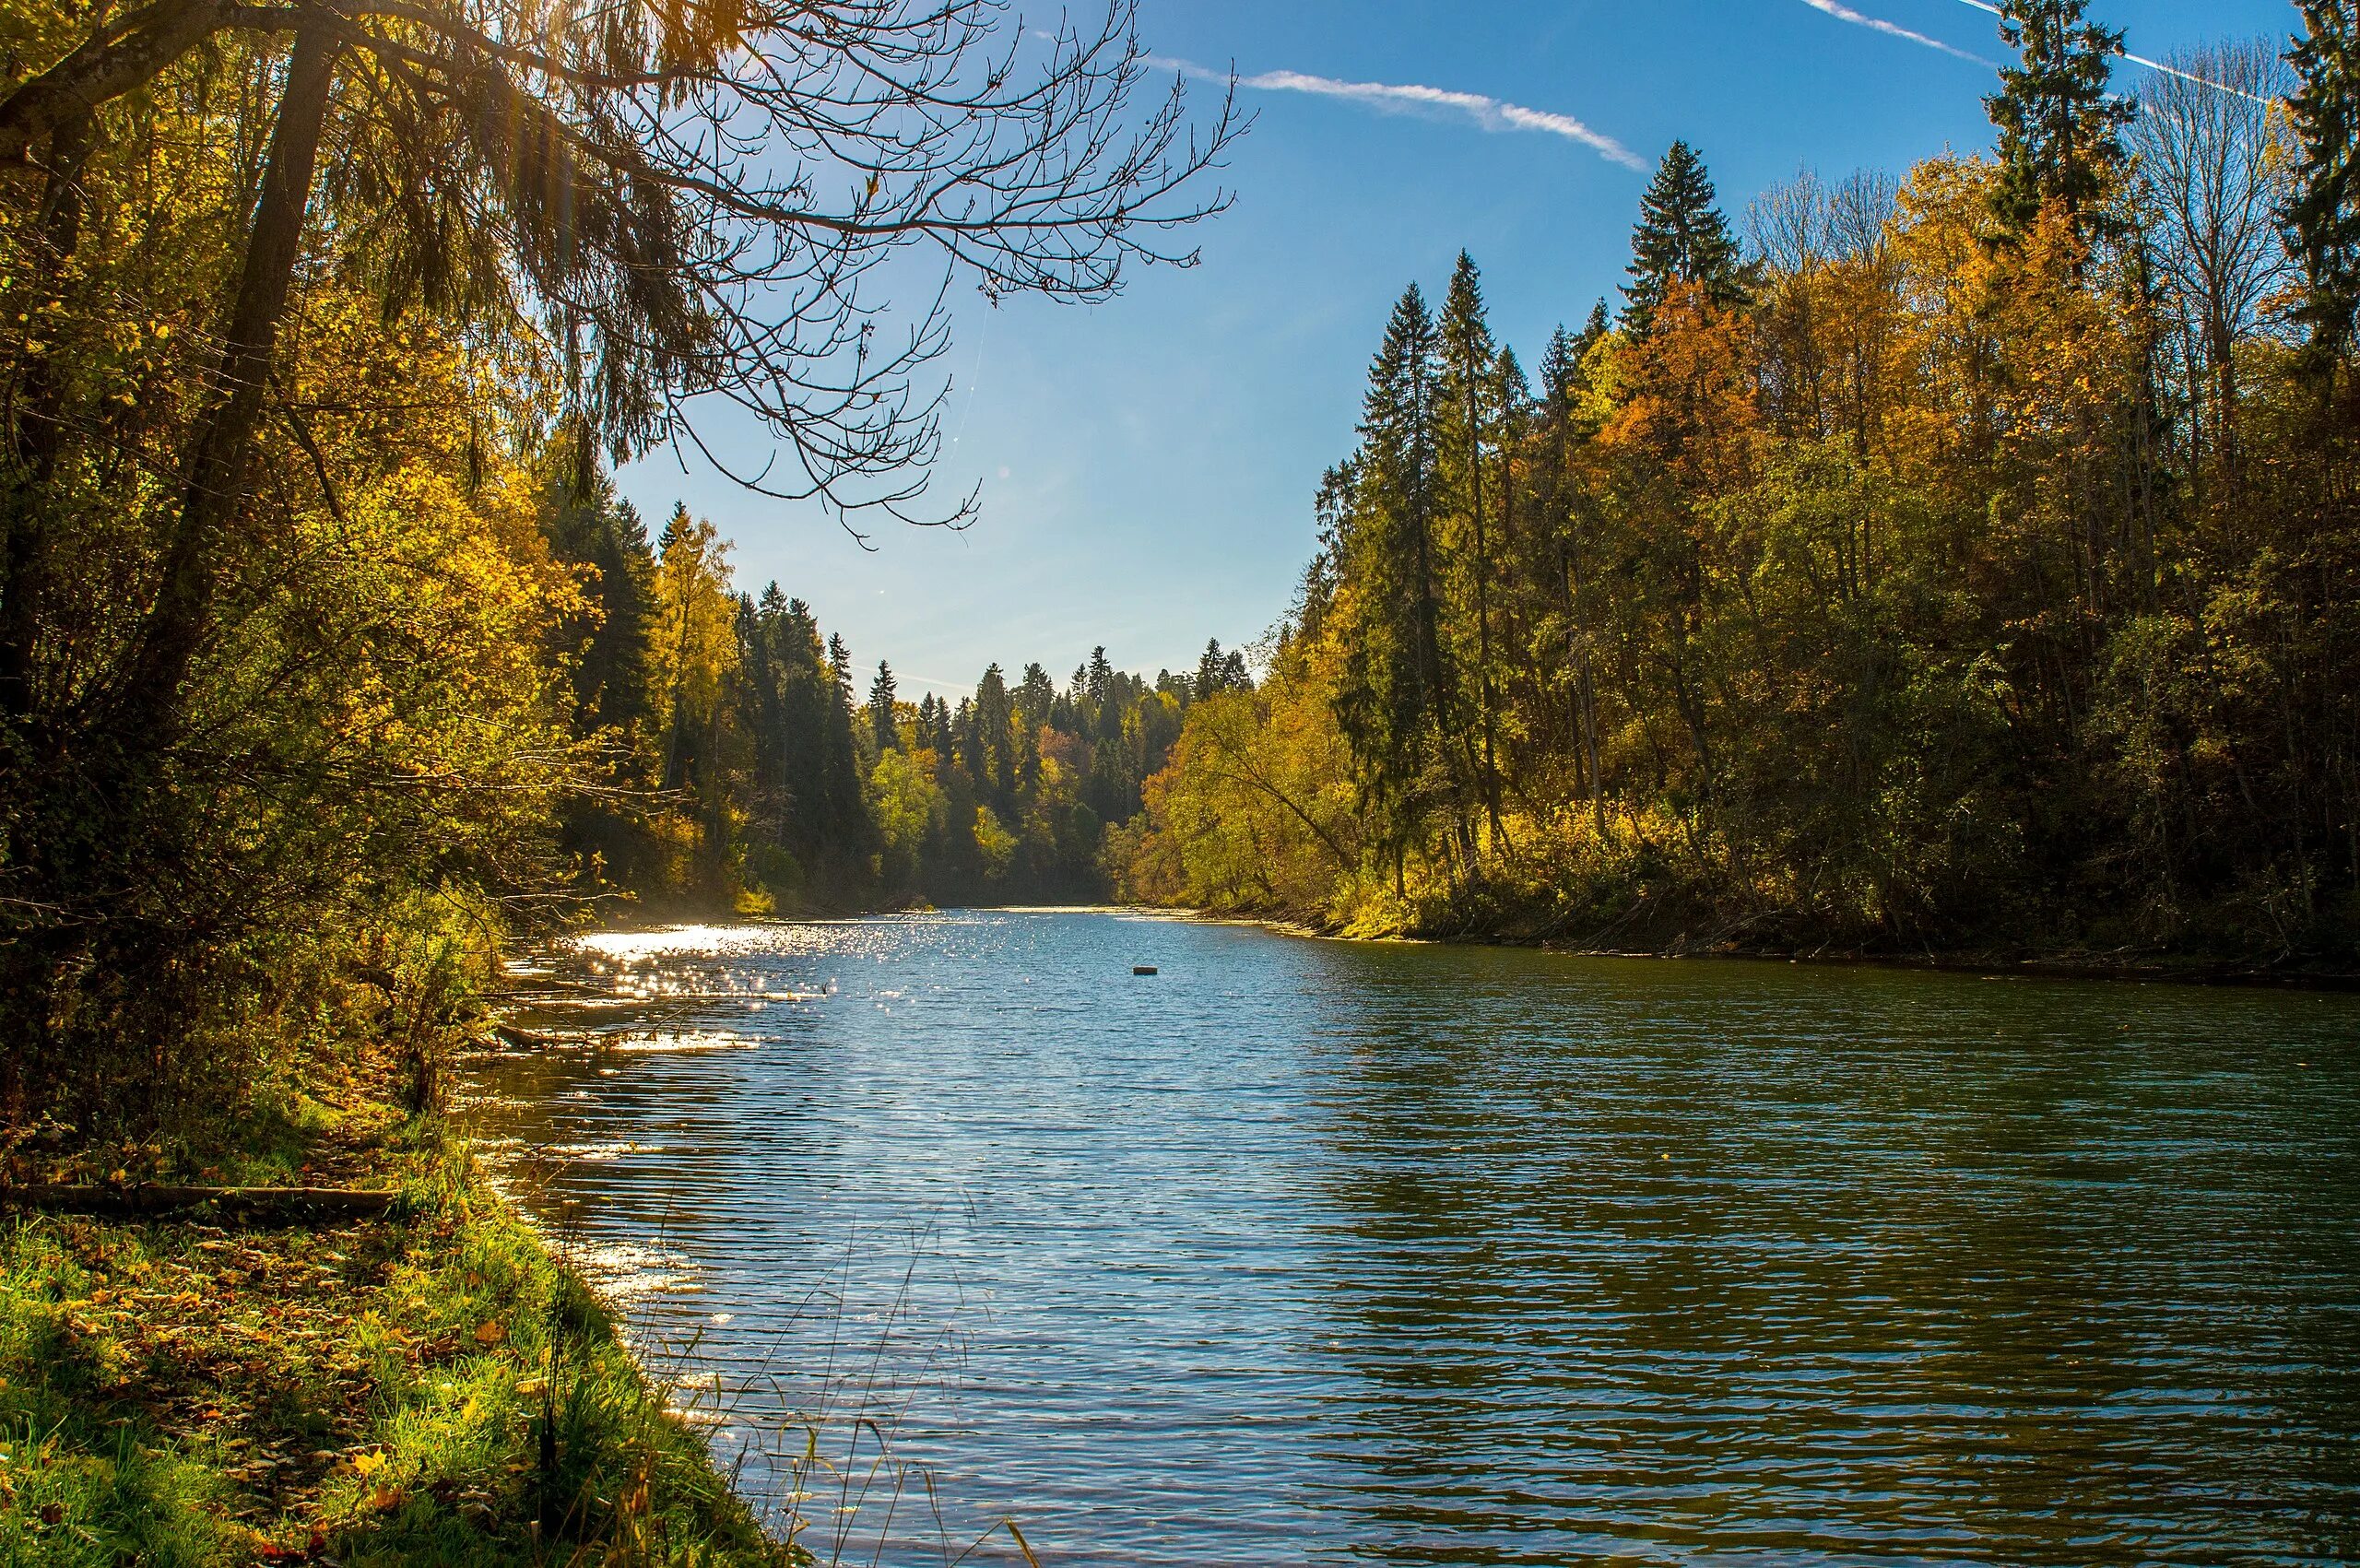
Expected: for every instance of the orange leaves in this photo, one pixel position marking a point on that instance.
(1690, 403)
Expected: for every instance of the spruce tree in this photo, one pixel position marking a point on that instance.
(845, 829)
(881, 710)
(2060, 129)
(610, 677)
(1396, 702)
(939, 734)
(1682, 239)
(1208, 671)
(1560, 365)
(2323, 214)
(1469, 419)
(1593, 331)
(993, 761)
(1035, 695)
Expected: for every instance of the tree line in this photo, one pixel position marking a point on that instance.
(1961, 560)
(746, 765)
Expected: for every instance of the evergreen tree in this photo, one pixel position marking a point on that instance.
(692, 647)
(1396, 700)
(1101, 677)
(610, 672)
(1035, 694)
(2060, 129)
(1468, 419)
(1209, 665)
(1682, 239)
(881, 712)
(1560, 556)
(1597, 327)
(841, 830)
(2323, 215)
(991, 754)
(939, 735)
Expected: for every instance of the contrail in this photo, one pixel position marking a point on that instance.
(1846, 14)
(1989, 9)
(1491, 113)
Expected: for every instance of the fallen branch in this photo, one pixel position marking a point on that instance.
(280, 1202)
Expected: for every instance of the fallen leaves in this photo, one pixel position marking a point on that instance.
(490, 1333)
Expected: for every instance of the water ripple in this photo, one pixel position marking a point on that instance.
(1309, 1252)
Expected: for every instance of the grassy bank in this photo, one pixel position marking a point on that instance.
(426, 1389)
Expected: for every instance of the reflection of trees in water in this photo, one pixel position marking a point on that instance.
(1726, 1257)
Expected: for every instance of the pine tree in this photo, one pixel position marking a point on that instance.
(2323, 214)
(881, 712)
(2060, 129)
(1682, 239)
(1565, 377)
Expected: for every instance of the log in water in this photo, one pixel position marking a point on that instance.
(1340, 1254)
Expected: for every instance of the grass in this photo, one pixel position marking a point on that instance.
(429, 1388)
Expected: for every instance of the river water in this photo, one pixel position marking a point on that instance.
(1320, 1253)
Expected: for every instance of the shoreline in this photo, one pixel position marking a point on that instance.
(1996, 965)
(2125, 968)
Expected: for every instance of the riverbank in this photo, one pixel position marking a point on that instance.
(2067, 965)
(430, 1387)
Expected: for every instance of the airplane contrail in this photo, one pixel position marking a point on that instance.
(1861, 19)
(1989, 9)
(1491, 113)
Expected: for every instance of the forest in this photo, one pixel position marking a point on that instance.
(1964, 561)
(738, 765)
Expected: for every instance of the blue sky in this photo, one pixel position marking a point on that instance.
(1147, 467)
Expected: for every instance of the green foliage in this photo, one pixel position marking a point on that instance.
(1682, 239)
(2060, 130)
(2324, 210)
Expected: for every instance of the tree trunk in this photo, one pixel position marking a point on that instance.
(215, 483)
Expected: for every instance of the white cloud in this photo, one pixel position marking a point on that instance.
(1989, 9)
(1490, 114)
(1859, 20)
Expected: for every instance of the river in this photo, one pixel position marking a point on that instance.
(1305, 1252)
